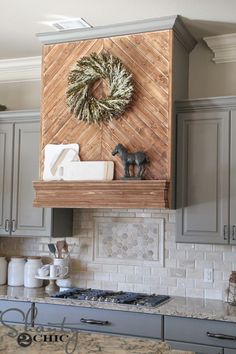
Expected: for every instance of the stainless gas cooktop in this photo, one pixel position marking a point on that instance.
(118, 297)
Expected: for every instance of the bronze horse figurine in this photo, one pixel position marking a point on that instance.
(138, 158)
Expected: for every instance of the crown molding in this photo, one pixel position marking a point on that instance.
(223, 47)
(20, 69)
(210, 103)
(19, 115)
(183, 35)
(120, 29)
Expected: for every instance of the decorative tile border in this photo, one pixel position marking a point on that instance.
(129, 239)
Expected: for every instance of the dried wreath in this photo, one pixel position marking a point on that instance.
(81, 79)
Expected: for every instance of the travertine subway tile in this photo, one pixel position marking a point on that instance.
(180, 274)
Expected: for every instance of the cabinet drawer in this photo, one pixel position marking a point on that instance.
(196, 348)
(120, 322)
(195, 331)
(14, 311)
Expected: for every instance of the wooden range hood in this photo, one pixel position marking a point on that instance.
(156, 51)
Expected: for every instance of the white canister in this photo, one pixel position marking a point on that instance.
(31, 269)
(3, 270)
(16, 271)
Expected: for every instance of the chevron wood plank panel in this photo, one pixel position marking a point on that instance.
(144, 125)
(152, 53)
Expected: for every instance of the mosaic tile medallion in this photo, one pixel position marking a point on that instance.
(136, 239)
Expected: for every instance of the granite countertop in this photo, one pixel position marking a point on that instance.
(77, 342)
(177, 306)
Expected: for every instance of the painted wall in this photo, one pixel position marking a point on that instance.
(208, 79)
(20, 95)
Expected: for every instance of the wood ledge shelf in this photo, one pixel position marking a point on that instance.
(96, 194)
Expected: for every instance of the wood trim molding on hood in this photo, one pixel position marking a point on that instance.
(110, 194)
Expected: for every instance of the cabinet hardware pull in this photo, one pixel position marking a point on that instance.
(7, 225)
(220, 336)
(13, 225)
(95, 322)
(225, 232)
(233, 232)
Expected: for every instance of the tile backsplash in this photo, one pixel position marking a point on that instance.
(135, 250)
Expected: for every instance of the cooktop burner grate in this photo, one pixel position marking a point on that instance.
(113, 297)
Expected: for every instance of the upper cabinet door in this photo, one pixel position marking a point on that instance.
(233, 179)
(26, 220)
(203, 177)
(6, 141)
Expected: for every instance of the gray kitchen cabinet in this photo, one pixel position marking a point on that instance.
(6, 141)
(99, 320)
(196, 348)
(232, 229)
(16, 312)
(229, 351)
(201, 336)
(19, 161)
(206, 171)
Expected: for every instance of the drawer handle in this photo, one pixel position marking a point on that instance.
(95, 322)
(221, 336)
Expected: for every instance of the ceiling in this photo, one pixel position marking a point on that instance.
(21, 20)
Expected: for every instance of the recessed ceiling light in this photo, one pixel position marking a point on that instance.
(70, 23)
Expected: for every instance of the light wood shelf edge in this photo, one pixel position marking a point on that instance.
(96, 194)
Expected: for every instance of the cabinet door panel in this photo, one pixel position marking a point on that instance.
(233, 179)
(196, 348)
(29, 221)
(6, 138)
(202, 177)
